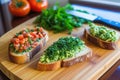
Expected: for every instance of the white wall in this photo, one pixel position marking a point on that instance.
(113, 0)
(62, 2)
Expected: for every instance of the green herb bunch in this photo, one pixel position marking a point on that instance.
(57, 19)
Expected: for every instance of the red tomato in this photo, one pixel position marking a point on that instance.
(25, 47)
(25, 35)
(19, 7)
(40, 35)
(37, 36)
(16, 40)
(21, 37)
(33, 46)
(33, 34)
(20, 50)
(38, 5)
(22, 41)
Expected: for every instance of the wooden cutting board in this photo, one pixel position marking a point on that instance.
(92, 69)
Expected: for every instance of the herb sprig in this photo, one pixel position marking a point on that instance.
(57, 19)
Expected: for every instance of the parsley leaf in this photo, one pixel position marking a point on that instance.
(57, 19)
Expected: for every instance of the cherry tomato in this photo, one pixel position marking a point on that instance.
(40, 35)
(19, 7)
(22, 41)
(33, 34)
(15, 40)
(20, 50)
(38, 5)
(25, 47)
(21, 37)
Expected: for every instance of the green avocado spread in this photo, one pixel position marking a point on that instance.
(103, 33)
(64, 48)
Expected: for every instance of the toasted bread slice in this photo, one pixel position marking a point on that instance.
(48, 66)
(81, 56)
(99, 42)
(21, 58)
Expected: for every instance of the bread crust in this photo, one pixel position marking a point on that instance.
(67, 63)
(99, 42)
(26, 57)
(64, 63)
(49, 66)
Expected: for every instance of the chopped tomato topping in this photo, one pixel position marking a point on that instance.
(33, 33)
(20, 50)
(40, 35)
(25, 34)
(24, 47)
(33, 46)
(36, 43)
(41, 29)
(25, 39)
(21, 37)
(22, 41)
(37, 36)
(29, 35)
(27, 44)
(16, 40)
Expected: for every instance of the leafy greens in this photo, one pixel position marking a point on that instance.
(57, 19)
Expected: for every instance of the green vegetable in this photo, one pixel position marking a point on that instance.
(103, 33)
(64, 48)
(57, 19)
(30, 40)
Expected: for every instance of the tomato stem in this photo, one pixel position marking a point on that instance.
(38, 0)
(17, 3)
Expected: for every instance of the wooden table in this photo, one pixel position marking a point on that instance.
(107, 69)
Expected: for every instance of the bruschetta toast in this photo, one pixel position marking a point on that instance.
(25, 44)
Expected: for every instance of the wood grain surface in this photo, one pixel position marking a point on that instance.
(92, 69)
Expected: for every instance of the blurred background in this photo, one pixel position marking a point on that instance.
(7, 22)
(6, 18)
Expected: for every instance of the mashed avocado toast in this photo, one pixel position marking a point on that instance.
(63, 53)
